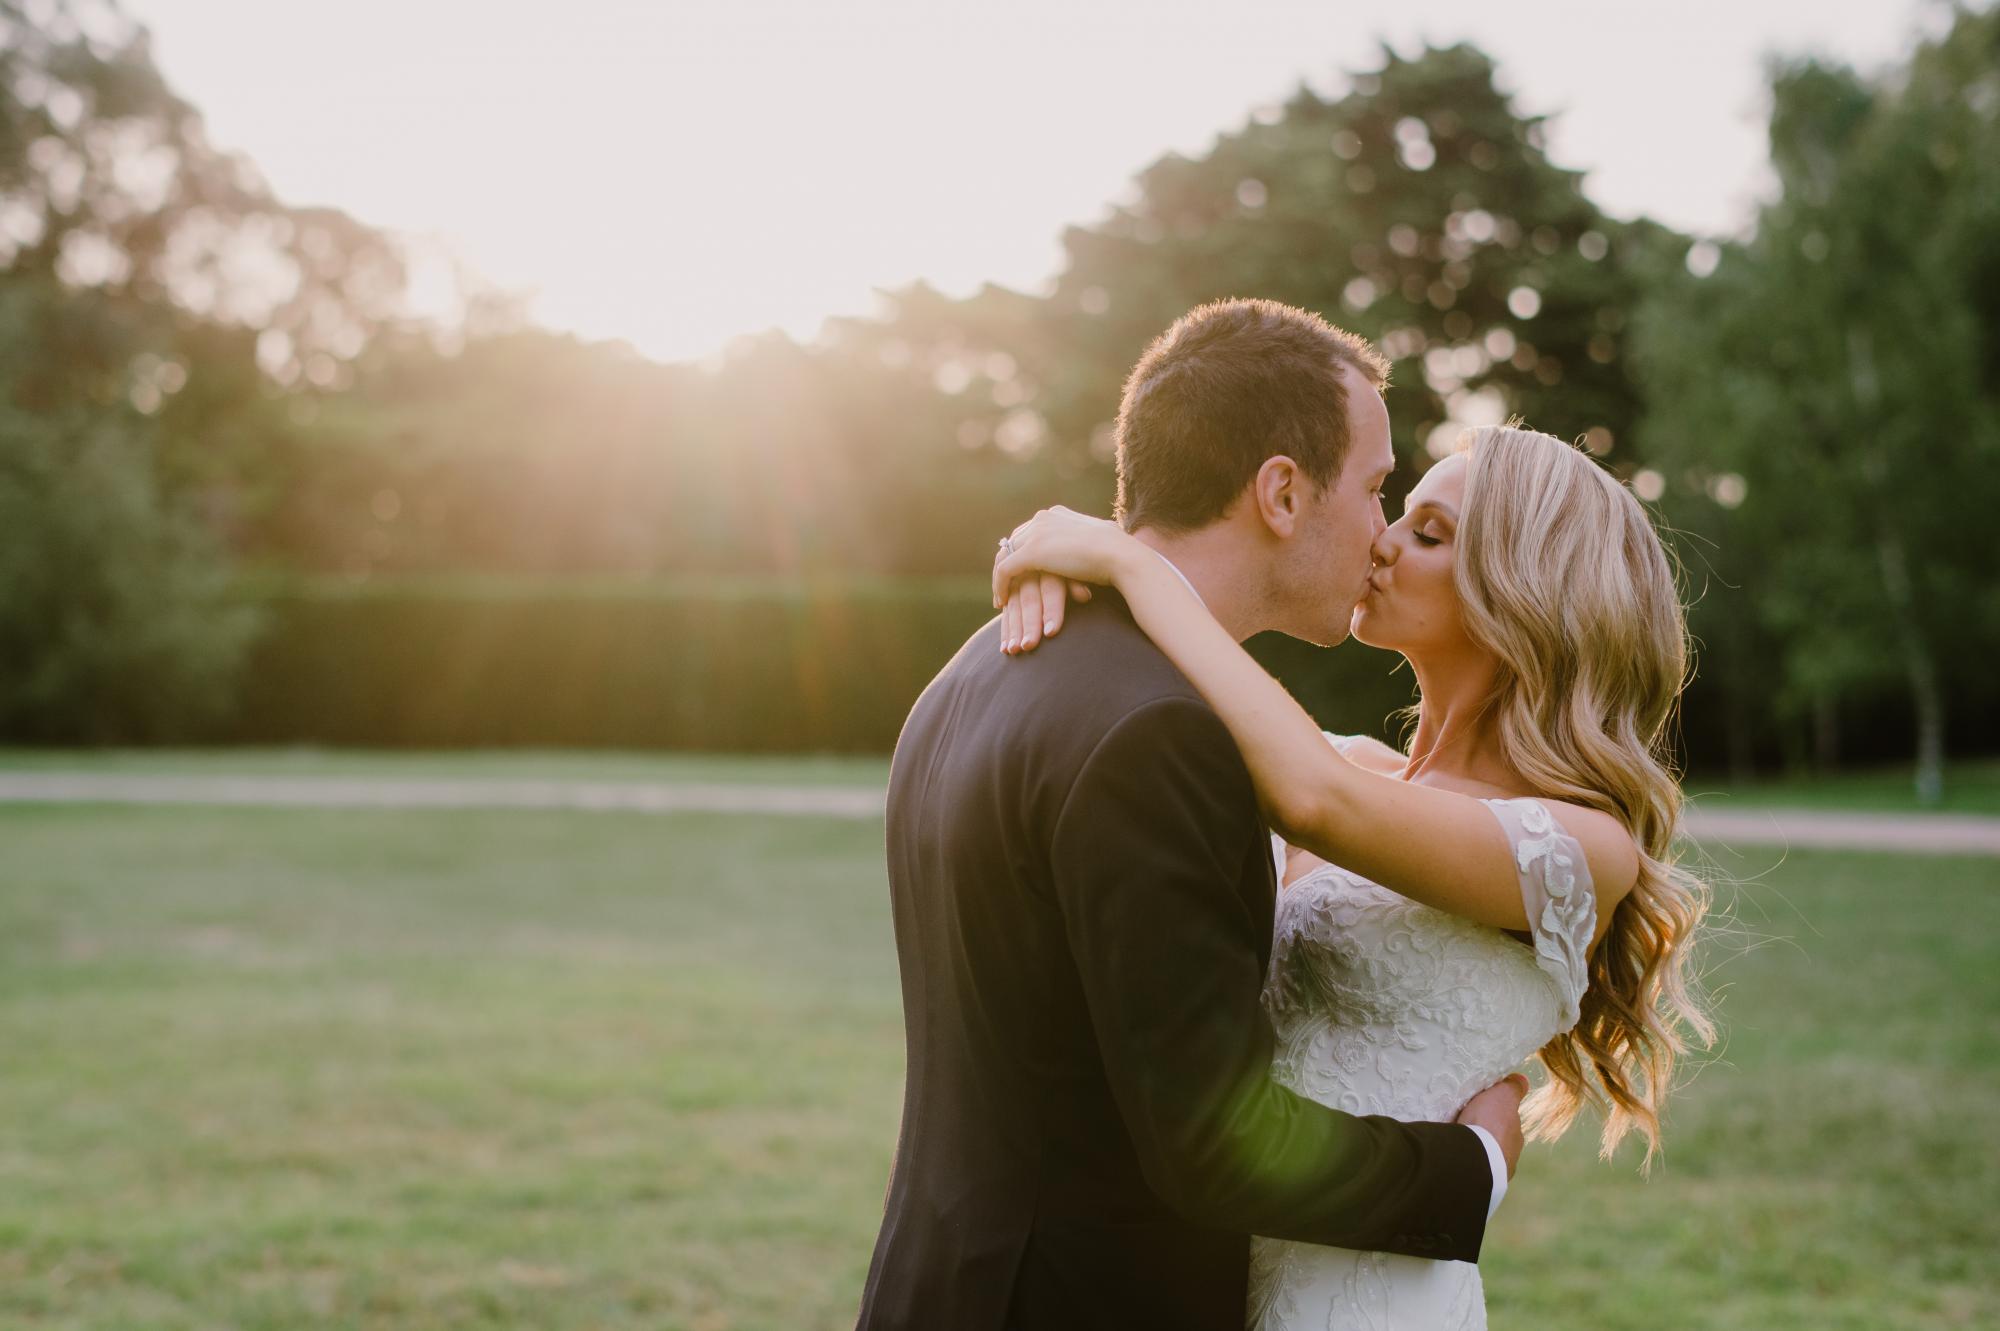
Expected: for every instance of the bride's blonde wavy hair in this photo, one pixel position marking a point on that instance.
(1561, 576)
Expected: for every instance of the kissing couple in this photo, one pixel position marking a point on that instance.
(1210, 1011)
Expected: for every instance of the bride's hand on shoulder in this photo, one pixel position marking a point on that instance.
(1049, 559)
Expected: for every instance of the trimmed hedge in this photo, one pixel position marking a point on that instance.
(730, 665)
(763, 665)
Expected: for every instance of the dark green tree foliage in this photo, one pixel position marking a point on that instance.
(115, 620)
(133, 415)
(1824, 402)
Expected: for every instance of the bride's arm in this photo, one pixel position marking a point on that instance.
(1435, 846)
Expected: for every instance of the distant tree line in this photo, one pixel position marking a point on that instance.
(201, 381)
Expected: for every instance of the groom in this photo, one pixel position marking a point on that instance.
(1083, 894)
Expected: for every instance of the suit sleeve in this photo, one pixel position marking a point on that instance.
(1149, 858)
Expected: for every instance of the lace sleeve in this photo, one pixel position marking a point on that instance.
(1556, 889)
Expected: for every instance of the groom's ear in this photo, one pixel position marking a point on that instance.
(1278, 490)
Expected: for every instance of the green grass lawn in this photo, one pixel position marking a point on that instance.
(1971, 786)
(280, 1068)
(495, 764)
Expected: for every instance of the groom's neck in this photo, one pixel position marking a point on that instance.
(1224, 575)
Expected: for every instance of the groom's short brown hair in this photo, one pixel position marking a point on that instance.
(1232, 383)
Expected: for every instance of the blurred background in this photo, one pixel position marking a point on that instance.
(551, 449)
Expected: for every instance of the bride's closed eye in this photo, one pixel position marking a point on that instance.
(1427, 540)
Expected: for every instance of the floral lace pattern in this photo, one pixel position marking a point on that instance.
(1383, 1005)
(1557, 892)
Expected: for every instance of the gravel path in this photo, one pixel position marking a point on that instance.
(1939, 834)
(1915, 833)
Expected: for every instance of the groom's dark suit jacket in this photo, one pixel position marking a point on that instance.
(1083, 893)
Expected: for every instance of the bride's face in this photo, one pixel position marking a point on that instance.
(1411, 606)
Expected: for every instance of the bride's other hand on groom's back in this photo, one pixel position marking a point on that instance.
(1498, 1110)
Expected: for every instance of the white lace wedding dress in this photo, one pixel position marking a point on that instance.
(1386, 1006)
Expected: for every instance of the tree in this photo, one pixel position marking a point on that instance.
(115, 618)
(1830, 386)
(153, 295)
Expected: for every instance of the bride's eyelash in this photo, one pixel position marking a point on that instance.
(1427, 540)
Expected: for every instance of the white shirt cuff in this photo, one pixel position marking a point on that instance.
(1499, 1163)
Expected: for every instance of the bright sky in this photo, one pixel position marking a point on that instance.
(680, 172)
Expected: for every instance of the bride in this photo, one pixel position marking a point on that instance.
(1507, 888)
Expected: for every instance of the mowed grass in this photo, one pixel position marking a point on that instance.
(456, 764)
(266, 1069)
(1834, 1167)
(281, 1068)
(1970, 786)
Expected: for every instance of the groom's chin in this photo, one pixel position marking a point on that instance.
(1329, 635)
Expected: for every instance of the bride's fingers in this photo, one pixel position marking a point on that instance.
(1010, 620)
(1080, 590)
(1054, 603)
(1029, 593)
